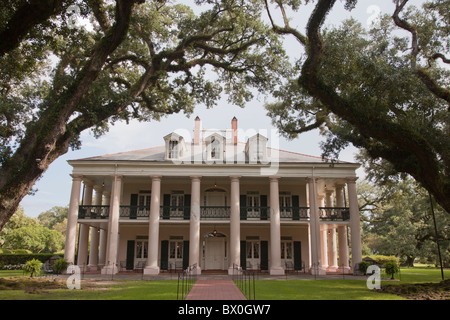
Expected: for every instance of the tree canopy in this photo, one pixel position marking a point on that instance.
(69, 70)
(384, 90)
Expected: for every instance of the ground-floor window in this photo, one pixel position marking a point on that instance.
(141, 249)
(287, 251)
(176, 254)
(253, 253)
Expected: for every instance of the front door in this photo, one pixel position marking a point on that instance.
(214, 253)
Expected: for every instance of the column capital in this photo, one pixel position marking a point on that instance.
(88, 182)
(195, 177)
(234, 178)
(98, 188)
(156, 178)
(274, 178)
(351, 179)
(311, 179)
(76, 177)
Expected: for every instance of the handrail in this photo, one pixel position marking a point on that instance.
(245, 281)
(186, 280)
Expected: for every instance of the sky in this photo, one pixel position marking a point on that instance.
(53, 188)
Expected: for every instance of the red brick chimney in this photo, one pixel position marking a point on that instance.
(234, 130)
(197, 130)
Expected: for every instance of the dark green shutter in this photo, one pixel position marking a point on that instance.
(187, 207)
(133, 205)
(295, 209)
(243, 206)
(243, 255)
(185, 254)
(130, 255)
(166, 206)
(264, 255)
(297, 255)
(263, 200)
(164, 255)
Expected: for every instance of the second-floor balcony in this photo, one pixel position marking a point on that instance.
(214, 213)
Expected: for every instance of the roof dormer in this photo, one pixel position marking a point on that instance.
(175, 146)
(215, 147)
(256, 149)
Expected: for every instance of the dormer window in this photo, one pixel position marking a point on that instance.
(174, 146)
(256, 149)
(214, 147)
(173, 150)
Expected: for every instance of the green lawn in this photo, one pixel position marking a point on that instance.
(340, 289)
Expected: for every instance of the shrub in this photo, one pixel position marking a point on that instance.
(391, 268)
(33, 267)
(381, 260)
(59, 266)
(363, 265)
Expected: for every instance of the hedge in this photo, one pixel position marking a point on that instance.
(381, 260)
(17, 259)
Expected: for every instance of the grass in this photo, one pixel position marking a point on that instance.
(15, 286)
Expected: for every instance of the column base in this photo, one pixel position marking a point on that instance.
(110, 269)
(318, 272)
(151, 271)
(332, 269)
(277, 271)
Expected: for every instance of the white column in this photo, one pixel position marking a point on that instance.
(235, 225)
(275, 232)
(194, 224)
(83, 239)
(342, 231)
(323, 236)
(72, 218)
(113, 228)
(354, 222)
(324, 242)
(332, 249)
(331, 234)
(316, 267)
(104, 233)
(152, 267)
(95, 232)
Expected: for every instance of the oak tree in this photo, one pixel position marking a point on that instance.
(383, 91)
(118, 60)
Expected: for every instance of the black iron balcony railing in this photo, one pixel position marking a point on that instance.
(175, 212)
(134, 212)
(215, 212)
(294, 213)
(93, 212)
(334, 213)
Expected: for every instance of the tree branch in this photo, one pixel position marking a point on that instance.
(30, 14)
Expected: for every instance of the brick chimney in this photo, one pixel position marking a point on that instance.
(234, 130)
(197, 129)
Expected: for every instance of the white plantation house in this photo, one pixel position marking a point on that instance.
(216, 203)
